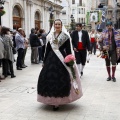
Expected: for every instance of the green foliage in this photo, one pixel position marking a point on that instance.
(2, 12)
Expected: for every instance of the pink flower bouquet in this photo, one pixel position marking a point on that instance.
(70, 60)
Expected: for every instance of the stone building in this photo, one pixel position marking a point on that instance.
(66, 13)
(113, 11)
(30, 13)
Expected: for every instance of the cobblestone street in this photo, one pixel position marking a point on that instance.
(100, 101)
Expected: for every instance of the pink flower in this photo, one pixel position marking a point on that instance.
(69, 58)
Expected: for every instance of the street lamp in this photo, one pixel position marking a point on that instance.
(51, 16)
(1, 8)
(72, 22)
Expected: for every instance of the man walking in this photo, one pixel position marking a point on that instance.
(81, 43)
(111, 39)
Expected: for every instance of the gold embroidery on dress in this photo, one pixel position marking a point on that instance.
(55, 41)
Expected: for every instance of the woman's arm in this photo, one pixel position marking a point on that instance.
(65, 49)
(68, 47)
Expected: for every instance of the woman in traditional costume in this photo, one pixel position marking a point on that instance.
(56, 85)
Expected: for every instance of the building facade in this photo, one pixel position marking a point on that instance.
(66, 13)
(80, 9)
(29, 14)
(113, 11)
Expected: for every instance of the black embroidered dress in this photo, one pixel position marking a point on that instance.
(54, 81)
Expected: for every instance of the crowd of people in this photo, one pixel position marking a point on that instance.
(58, 82)
(15, 42)
(61, 44)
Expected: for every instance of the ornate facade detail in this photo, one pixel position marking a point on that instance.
(16, 11)
(30, 2)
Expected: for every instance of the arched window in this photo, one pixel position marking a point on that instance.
(16, 11)
(16, 17)
(37, 20)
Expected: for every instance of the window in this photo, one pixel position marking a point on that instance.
(16, 11)
(37, 20)
(64, 12)
(81, 10)
(73, 11)
(37, 16)
(81, 20)
(73, 1)
(80, 2)
(78, 10)
(17, 23)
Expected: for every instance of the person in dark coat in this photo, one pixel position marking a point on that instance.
(35, 43)
(81, 43)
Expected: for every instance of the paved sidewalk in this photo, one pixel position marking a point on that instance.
(101, 99)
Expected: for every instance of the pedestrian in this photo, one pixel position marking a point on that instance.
(34, 43)
(81, 43)
(40, 48)
(8, 55)
(93, 41)
(44, 34)
(55, 85)
(19, 39)
(98, 35)
(1, 53)
(14, 43)
(25, 49)
(111, 39)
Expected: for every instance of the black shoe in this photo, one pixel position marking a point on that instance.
(23, 67)
(19, 68)
(81, 73)
(109, 78)
(114, 79)
(13, 76)
(55, 108)
(8, 73)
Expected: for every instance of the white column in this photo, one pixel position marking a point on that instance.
(7, 18)
(29, 20)
(32, 15)
(25, 18)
